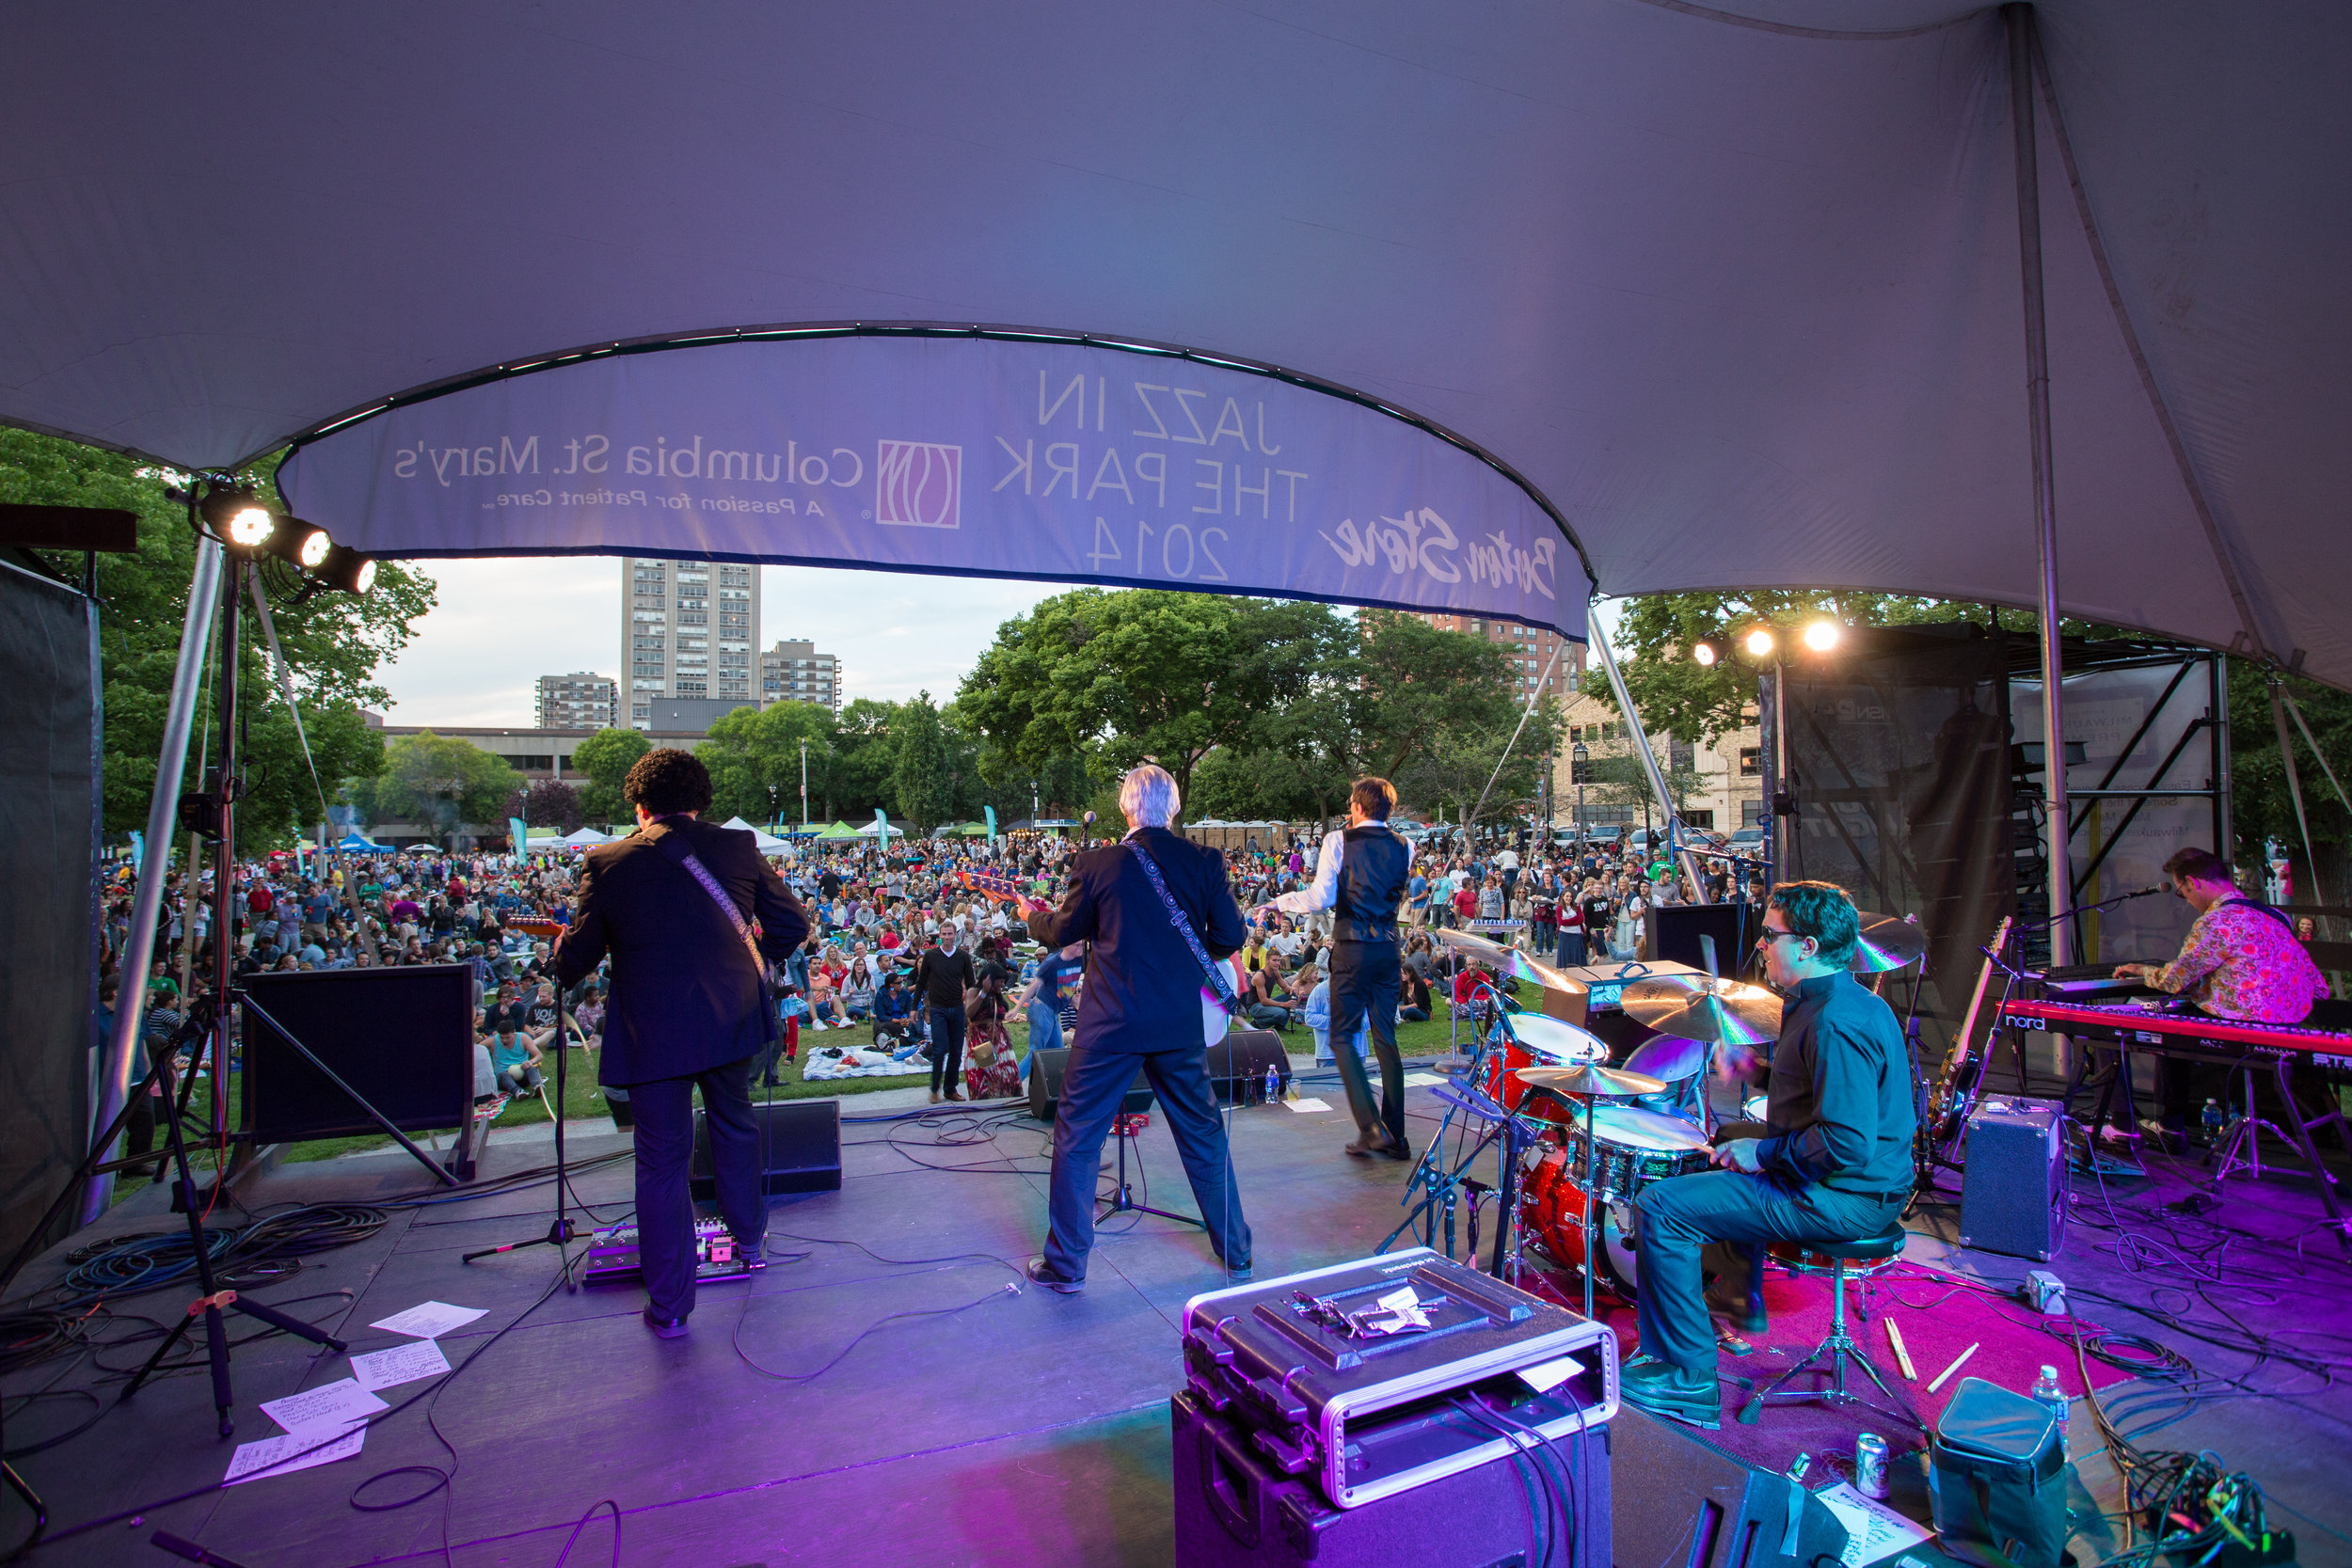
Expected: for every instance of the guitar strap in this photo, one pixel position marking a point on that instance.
(1218, 984)
(674, 848)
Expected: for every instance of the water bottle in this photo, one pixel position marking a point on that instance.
(1273, 1084)
(2212, 1119)
(2047, 1394)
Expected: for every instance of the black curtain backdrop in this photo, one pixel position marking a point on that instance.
(1899, 752)
(49, 822)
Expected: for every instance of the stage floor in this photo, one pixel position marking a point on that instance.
(917, 1411)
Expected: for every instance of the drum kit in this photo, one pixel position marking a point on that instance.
(1580, 1138)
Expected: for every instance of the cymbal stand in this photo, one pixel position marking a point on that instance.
(2243, 1149)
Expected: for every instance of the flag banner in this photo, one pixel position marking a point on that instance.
(968, 455)
(990, 813)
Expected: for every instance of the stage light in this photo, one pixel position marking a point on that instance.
(347, 569)
(313, 548)
(1822, 636)
(1705, 653)
(1760, 642)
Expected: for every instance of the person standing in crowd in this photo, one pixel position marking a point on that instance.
(1361, 877)
(944, 975)
(1140, 1008)
(673, 905)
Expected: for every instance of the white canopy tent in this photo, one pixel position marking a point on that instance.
(769, 842)
(1735, 288)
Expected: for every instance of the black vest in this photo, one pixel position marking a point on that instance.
(1373, 866)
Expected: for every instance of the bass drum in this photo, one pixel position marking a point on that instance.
(1553, 1211)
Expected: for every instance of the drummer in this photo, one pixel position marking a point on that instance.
(1834, 1165)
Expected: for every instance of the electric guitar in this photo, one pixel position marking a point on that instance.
(1940, 1106)
(1214, 1020)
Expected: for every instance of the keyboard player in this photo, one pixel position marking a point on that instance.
(2240, 959)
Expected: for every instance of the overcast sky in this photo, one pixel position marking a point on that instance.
(501, 625)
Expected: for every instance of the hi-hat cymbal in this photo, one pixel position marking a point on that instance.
(1589, 1079)
(1669, 1057)
(1702, 1008)
(1886, 942)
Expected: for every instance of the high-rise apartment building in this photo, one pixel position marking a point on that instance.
(579, 701)
(797, 673)
(687, 629)
(1531, 650)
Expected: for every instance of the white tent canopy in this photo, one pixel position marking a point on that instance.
(1735, 288)
(769, 842)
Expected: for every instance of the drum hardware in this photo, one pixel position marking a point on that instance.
(1437, 1184)
(1547, 1042)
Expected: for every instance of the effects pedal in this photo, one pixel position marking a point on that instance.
(612, 1255)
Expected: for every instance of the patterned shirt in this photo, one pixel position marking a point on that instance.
(2239, 962)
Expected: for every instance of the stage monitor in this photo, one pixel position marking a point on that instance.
(402, 1038)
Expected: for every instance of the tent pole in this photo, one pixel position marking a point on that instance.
(1598, 640)
(162, 809)
(2018, 18)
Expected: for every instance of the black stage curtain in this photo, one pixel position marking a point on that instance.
(1899, 752)
(49, 823)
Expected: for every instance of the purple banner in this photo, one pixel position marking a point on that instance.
(952, 455)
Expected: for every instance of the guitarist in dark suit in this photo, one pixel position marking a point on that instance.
(1140, 1008)
(688, 1006)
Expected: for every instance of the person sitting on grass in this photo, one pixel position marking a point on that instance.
(514, 1059)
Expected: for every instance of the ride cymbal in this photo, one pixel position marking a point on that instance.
(1702, 1008)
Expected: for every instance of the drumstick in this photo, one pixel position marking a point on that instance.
(1944, 1375)
(1903, 1356)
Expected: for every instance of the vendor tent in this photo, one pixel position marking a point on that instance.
(583, 838)
(353, 844)
(769, 842)
(1728, 295)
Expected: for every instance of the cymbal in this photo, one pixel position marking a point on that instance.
(1510, 960)
(1589, 1079)
(1887, 943)
(1669, 1057)
(1702, 1008)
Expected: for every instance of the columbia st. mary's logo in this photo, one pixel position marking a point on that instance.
(919, 484)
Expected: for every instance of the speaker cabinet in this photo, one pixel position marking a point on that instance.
(799, 1144)
(1683, 1502)
(1045, 1074)
(402, 1038)
(2012, 1196)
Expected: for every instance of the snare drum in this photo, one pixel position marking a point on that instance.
(1633, 1148)
(1542, 1042)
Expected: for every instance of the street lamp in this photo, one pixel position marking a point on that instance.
(1578, 753)
(804, 785)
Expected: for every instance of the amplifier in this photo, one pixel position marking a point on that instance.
(2012, 1197)
(1302, 1363)
(799, 1144)
(1695, 1506)
(1236, 1509)
(612, 1255)
(1045, 1073)
(1605, 983)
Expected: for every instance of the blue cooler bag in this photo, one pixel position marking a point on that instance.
(1998, 1475)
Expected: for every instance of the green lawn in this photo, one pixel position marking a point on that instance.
(584, 1100)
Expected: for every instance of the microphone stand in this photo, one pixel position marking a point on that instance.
(561, 1234)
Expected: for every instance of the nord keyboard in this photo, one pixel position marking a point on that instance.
(2159, 1026)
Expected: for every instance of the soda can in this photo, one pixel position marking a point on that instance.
(1869, 1464)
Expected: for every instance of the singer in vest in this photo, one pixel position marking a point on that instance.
(1361, 877)
(687, 1008)
(1141, 1008)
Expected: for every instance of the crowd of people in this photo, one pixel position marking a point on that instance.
(937, 975)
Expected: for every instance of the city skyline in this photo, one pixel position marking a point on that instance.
(500, 624)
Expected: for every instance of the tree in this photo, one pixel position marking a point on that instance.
(1136, 676)
(2261, 806)
(606, 757)
(335, 643)
(1425, 692)
(753, 755)
(919, 781)
(441, 780)
(864, 755)
(548, 804)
